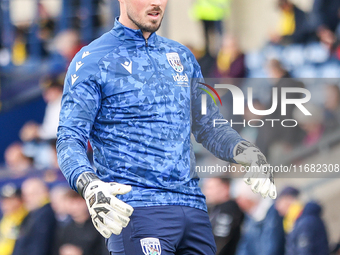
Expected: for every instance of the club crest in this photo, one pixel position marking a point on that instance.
(175, 61)
(151, 246)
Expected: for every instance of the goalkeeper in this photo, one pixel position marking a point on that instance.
(132, 93)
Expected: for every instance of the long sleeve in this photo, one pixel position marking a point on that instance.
(219, 140)
(79, 107)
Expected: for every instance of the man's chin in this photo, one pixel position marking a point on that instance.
(151, 28)
(149, 25)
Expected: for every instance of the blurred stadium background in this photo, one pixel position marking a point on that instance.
(39, 38)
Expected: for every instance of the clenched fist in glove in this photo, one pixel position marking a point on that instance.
(259, 176)
(109, 214)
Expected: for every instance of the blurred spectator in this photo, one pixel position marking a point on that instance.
(37, 230)
(325, 14)
(308, 235)
(278, 139)
(46, 28)
(230, 60)
(325, 20)
(329, 39)
(211, 14)
(16, 162)
(67, 44)
(13, 215)
(95, 17)
(54, 159)
(33, 39)
(289, 206)
(80, 231)
(312, 125)
(224, 213)
(69, 249)
(19, 48)
(293, 26)
(82, 15)
(59, 204)
(52, 93)
(36, 136)
(332, 108)
(262, 230)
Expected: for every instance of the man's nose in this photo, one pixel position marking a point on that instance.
(156, 2)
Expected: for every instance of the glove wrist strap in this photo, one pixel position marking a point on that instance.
(84, 180)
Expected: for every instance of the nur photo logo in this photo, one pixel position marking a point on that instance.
(239, 103)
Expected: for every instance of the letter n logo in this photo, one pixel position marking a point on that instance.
(204, 97)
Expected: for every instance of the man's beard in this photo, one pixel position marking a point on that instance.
(144, 27)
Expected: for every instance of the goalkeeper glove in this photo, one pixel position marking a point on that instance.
(109, 214)
(259, 176)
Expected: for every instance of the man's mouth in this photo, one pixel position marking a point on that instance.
(154, 14)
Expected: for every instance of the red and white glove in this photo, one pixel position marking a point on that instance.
(259, 176)
(109, 214)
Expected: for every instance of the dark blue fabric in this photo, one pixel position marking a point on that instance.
(264, 237)
(181, 230)
(309, 235)
(325, 13)
(36, 233)
(272, 236)
(301, 32)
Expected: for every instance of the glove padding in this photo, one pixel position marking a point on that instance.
(259, 176)
(109, 214)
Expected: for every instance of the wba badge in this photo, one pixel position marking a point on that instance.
(175, 61)
(151, 246)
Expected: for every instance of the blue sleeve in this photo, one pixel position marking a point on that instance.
(79, 107)
(219, 140)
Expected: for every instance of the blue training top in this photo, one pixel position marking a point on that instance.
(136, 102)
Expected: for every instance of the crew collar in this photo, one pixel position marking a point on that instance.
(129, 34)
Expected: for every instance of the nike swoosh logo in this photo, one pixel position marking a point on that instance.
(128, 66)
(78, 65)
(85, 54)
(74, 78)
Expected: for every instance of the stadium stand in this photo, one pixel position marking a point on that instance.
(43, 47)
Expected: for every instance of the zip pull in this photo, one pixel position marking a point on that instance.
(146, 43)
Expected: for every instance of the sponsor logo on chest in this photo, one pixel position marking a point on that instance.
(180, 78)
(174, 60)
